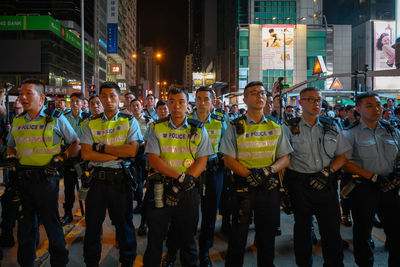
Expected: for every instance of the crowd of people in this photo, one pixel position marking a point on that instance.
(167, 160)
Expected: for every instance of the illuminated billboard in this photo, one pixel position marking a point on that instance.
(274, 56)
(384, 53)
(203, 79)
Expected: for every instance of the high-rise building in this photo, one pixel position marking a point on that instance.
(100, 46)
(51, 30)
(250, 37)
(187, 72)
(122, 62)
(149, 72)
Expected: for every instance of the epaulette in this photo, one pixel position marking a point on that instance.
(162, 120)
(52, 113)
(327, 120)
(97, 116)
(22, 114)
(272, 118)
(389, 128)
(238, 126)
(146, 118)
(67, 111)
(223, 112)
(294, 125)
(351, 126)
(124, 115)
(217, 117)
(195, 123)
(85, 115)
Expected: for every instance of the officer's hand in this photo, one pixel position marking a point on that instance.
(256, 177)
(396, 180)
(186, 182)
(172, 196)
(10, 163)
(383, 182)
(320, 180)
(99, 147)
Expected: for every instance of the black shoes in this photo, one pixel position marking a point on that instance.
(346, 220)
(68, 218)
(205, 260)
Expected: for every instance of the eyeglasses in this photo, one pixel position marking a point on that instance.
(257, 93)
(312, 100)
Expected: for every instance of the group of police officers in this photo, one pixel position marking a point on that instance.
(186, 156)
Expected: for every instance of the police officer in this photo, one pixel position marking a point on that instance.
(75, 117)
(35, 139)
(255, 149)
(177, 148)
(374, 158)
(210, 181)
(318, 153)
(95, 106)
(105, 139)
(150, 111)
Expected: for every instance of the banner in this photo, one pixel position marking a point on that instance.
(112, 26)
(274, 56)
(384, 53)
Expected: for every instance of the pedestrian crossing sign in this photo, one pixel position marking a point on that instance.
(336, 84)
(319, 66)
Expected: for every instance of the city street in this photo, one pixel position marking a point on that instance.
(284, 254)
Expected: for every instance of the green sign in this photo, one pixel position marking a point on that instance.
(40, 23)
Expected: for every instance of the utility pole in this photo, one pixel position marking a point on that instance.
(83, 46)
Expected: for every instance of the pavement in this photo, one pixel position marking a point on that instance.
(284, 254)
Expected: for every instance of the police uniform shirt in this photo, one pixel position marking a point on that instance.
(151, 113)
(374, 151)
(75, 122)
(223, 126)
(229, 140)
(310, 144)
(144, 124)
(134, 134)
(204, 148)
(62, 129)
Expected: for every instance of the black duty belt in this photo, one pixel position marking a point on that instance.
(109, 174)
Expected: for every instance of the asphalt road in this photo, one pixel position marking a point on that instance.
(284, 255)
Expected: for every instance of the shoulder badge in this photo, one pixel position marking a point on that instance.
(389, 128)
(194, 123)
(52, 113)
(67, 111)
(293, 124)
(327, 120)
(223, 112)
(351, 126)
(217, 117)
(146, 118)
(97, 116)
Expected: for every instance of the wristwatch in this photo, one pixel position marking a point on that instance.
(374, 177)
(181, 177)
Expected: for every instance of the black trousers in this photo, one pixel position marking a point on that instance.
(183, 217)
(70, 181)
(367, 200)
(118, 200)
(266, 209)
(324, 204)
(40, 197)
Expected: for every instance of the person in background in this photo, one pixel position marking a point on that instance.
(390, 104)
(95, 106)
(128, 98)
(150, 111)
(387, 114)
(268, 104)
(234, 112)
(85, 105)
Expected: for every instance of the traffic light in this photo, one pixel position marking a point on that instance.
(92, 90)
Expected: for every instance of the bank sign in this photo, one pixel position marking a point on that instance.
(42, 23)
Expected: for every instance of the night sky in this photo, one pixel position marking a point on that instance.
(163, 25)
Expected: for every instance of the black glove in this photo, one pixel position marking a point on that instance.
(271, 183)
(321, 179)
(10, 163)
(172, 196)
(395, 178)
(57, 161)
(256, 177)
(99, 147)
(383, 182)
(186, 182)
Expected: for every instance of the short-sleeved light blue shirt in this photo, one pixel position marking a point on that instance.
(314, 150)
(75, 122)
(151, 113)
(62, 129)
(229, 141)
(374, 151)
(204, 148)
(133, 135)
